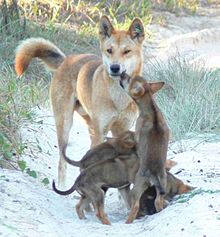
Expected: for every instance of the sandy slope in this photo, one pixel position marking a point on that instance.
(193, 37)
(28, 208)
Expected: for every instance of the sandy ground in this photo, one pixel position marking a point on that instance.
(29, 208)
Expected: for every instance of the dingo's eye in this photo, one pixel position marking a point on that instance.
(110, 51)
(127, 51)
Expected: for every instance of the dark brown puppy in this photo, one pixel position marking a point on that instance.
(174, 187)
(152, 135)
(124, 144)
(111, 173)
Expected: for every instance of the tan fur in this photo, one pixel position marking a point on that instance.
(37, 47)
(152, 143)
(87, 84)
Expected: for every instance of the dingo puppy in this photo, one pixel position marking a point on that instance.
(118, 172)
(125, 144)
(88, 84)
(174, 187)
(152, 142)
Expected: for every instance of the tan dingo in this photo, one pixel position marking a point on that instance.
(88, 84)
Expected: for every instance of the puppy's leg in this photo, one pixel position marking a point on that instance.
(159, 201)
(160, 191)
(98, 202)
(80, 207)
(139, 187)
(63, 103)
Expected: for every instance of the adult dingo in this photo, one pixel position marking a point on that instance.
(88, 84)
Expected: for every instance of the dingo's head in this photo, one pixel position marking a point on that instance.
(121, 50)
(138, 87)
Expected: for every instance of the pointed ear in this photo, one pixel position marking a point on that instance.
(156, 86)
(169, 164)
(110, 139)
(136, 30)
(129, 143)
(105, 28)
(184, 188)
(137, 91)
(128, 140)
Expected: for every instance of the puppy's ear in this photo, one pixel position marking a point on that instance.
(136, 30)
(128, 140)
(184, 188)
(156, 86)
(137, 90)
(105, 28)
(169, 164)
(110, 139)
(129, 143)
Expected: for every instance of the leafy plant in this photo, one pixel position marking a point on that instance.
(45, 181)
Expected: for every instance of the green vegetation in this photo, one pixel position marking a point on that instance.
(186, 197)
(190, 99)
(72, 26)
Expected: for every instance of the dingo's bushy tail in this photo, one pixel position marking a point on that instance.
(31, 48)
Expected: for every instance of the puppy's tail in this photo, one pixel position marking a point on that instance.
(71, 162)
(31, 48)
(67, 192)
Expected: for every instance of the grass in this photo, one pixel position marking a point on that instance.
(183, 198)
(18, 97)
(191, 98)
(191, 106)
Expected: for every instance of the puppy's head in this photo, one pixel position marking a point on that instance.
(137, 86)
(121, 49)
(127, 140)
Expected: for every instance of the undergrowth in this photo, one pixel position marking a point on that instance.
(18, 97)
(190, 99)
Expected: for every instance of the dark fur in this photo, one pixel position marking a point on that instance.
(152, 142)
(125, 144)
(174, 187)
(113, 173)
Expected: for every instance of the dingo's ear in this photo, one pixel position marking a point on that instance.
(105, 27)
(156, 86)
(136, 30)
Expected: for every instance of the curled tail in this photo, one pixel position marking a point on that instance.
(67, 192)
(31, 48)
(72, 162)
